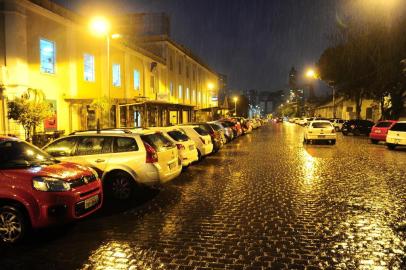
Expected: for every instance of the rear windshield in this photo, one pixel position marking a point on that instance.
(321, 125)
(399, 127)
(157, 141)
(215, 127)
(383, 124)
(201, 131)
(178, 135)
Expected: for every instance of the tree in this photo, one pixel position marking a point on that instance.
(29, 110)
(102, 106)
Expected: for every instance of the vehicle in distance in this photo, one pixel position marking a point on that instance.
(380, 130)
(357, 127)
(319, 131)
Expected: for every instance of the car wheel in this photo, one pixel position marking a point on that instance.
(13, 224)
(199, 155)
(391, 146)
(374, 141)
(120, 185)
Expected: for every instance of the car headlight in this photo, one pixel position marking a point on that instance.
(50, 184)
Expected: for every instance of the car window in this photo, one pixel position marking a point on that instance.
(321, 125)
(19, 154)
(201, 131)
(178, 135)
(399, 127)
(61, 148)
(125, 145)
(383, 124)
(158, 141)
(94, 145)
(215, 127)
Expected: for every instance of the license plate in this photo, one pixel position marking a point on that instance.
(377, 131)
(191, 147)
(92, 201)
(172, 165)
(321, 136)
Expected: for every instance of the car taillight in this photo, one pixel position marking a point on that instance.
(203, 141)
(180, 146)
(152, 156)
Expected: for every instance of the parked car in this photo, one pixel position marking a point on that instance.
(219, 128)
(38, 191)
(201, 138)
(228, 131)
(123, 158)
(303, 121)
(320, 130)
(396, 135)
(214, 134)
(357, 127)
(337, 123)
(380, 130)
(186, 146)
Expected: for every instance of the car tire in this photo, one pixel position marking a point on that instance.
(374, 141)
(120, 186)
(391, 146)
(13, 224)
(356, 132)
(199, 155)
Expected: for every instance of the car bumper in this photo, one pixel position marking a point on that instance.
(395, 140)
(321, 137)
(206, 149)
(62, 207)
(189, 157)
(377, 136)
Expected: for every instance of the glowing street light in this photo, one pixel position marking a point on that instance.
(311, 74)
(100, 26)
(235, 105)
(210, 86)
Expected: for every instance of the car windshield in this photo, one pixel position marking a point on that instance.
(383, 124)
(19, 154)
(321, 125)
(399, 127)
(158, 141)
(178, 135)
(201, 131)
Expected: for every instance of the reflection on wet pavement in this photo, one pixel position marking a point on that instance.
(265, 201)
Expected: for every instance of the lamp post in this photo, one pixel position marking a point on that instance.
(235, 105)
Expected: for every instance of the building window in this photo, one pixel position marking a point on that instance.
(88, 67)
(180, 94)
(170, 63)
(116, 75)
(136, 79)
(171, 88)
(187, 94)
(47, 56)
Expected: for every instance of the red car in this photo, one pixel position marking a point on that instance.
(380, 130)
(38, 191)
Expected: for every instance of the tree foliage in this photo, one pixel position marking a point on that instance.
(29, 110)
(364, 61)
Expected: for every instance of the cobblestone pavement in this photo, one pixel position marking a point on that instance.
(265, 201)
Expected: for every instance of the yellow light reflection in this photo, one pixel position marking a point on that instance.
(309, 164)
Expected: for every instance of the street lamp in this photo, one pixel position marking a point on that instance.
(235, 105)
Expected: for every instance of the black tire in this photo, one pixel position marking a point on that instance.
(391, 146)
(13, 224)
(305, 141)
(199, 155)
(120, 186)
(374, 141)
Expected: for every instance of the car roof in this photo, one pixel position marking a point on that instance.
(188, 126)
(320, 121)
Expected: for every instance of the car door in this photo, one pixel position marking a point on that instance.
(94, 151)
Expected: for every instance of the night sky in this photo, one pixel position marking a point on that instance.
(253, 42)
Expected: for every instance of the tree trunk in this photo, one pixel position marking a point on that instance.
(358, 104)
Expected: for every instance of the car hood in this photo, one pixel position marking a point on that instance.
(64, 170)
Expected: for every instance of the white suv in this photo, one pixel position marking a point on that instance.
(186, 146)
(201, 138)
(122, 158)
(396, 135)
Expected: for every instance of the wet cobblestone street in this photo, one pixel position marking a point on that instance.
(265, 201)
